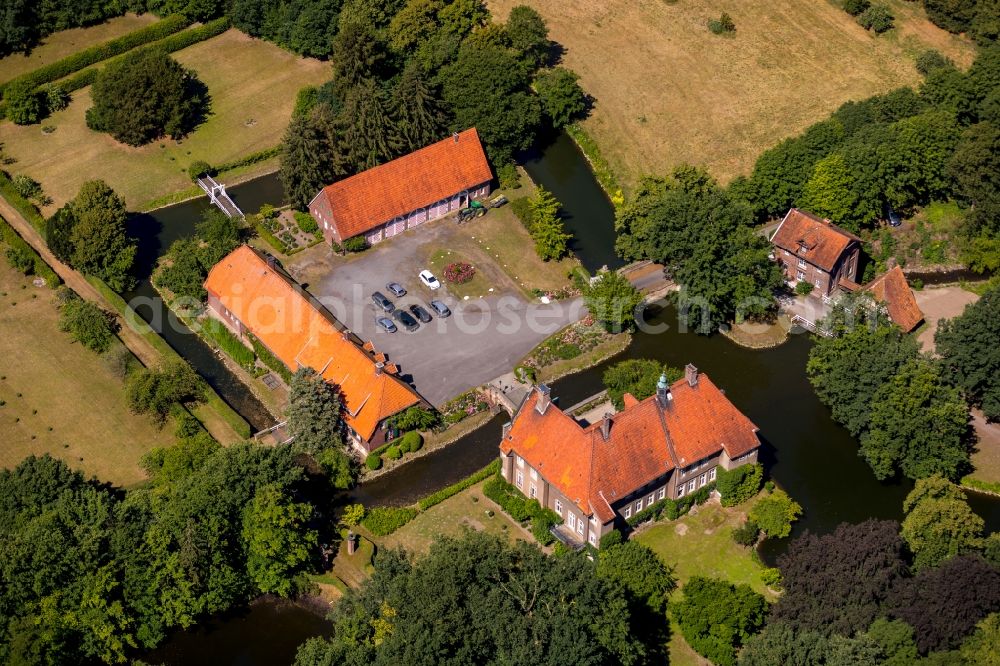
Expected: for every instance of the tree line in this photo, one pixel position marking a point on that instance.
(405, 74)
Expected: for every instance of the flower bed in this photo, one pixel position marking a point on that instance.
(568, 343)
(459, 272)
(464, 406)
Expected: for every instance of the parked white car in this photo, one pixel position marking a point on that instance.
(429, 280)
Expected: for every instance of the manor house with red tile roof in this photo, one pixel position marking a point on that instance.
(594, 475)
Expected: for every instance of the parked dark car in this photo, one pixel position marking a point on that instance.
(386, 324)
(894, 219)
(440, 309)
(420, 313)
(379, 299)
(396, 289)
(404, 318)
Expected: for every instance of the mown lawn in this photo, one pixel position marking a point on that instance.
(61, 398)
(466, 510)
(252, 84)
(479, 286)
(66, 42)
(668, 91)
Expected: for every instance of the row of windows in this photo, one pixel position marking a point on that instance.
(653, 497)
(696, 483)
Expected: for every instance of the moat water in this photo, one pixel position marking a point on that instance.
(805, 452)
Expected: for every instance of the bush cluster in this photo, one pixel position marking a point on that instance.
(510, 499)
(672, 509)
(878, 18)
(411, 442)
(459, 272)
(541, 524)
(740, 484)
(270, 360)
(217, 332)
(356, 244)
(746, 534)
(384, 520)
(27, 260)
(23, 206)
(804, 288)
(724, 25)
(455, 488)
(306, 222)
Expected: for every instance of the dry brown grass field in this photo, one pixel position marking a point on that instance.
(252, 84)
(61, 398)
(668, 91)
(66, 42)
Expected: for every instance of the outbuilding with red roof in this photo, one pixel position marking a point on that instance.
(406, 192)
(596, 474)
(814, 250)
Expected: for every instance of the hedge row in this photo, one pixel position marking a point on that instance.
(384, 520)
(252, 158)
(270, 360)
(511, 500)
(672, 509)
(109, 49)
(218, 333)
(270, 238)
(18, 244)
(436, 498)
(23, 206)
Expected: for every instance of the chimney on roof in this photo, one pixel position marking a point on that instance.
(454, 136)
(378, 368)
(606, 426)
(691, 374)
(544, 398)
(662, 391)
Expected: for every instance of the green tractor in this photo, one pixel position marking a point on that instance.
(474, 209)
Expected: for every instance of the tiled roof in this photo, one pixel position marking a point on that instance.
(424, 177)
(823, 241)
(645, 442)
(892, 289)
(288, 324)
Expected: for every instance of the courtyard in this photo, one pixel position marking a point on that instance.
(494, 321)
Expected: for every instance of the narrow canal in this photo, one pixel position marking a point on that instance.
(808, 454)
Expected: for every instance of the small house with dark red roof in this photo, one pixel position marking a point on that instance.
(811, 249)
(596, 474)
(406, 192)
(891, 291)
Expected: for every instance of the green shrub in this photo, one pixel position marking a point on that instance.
(651, 512)
(612, 538)
(73, 63)
(270, 238)
(373, 461)
(393, 453)
(746, 534)
(723, 25)
(226, 340)
(509, 177)
(270, 360)
(384, 520)
(88, 324)
(455, 488)
(198, 169)
(877, 18)
(522, 210)
(804, 288)
(771, 577)
(740, 484)
(411, 441)
(182, 40)
(20, 248)
(306, 222)
(855, 7)
(510, 499)
(543, 521)
(356, 244)
(930, 60)
(247, 160)
(23, 206)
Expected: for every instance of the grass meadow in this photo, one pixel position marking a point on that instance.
(667, 91)
(252, 84)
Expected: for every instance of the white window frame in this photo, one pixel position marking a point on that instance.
(638, 505)
(701, 480)
(691, 485)
(580, 526)
(628, 511)
(800, 275)
(519, 479)
(802, 262)
(680, 490)
(593, 538)
(651, 499)
(662, 493)
(533, 474)
(571, 520)
(559, 506)
(534, 492)
(520, 460)
(711, 474)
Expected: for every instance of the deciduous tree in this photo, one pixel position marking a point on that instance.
(89, 325)
(613, 301)
(637, 376)
(100, 242)
(967, 345)
(562, 97)
(640, 570)
(313, 412)
(528, 34)
(939, 523)
(775, 513)
(276, 539)
(717, 617)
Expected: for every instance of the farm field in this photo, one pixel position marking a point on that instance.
(70, 405)
(252, 85)
(66, 42)
(667, 91)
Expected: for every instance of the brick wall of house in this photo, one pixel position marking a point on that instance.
(319, 208)
(797, 269)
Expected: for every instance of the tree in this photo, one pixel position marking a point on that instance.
(543, 204)
(638, 568)
(528, 34)
(939, 523)
(372, 136)
(156, 390)
(878, 18)
(499, 106)
(895, 641)
(219, 234)
(974, 166)
(829, 193)
(100, 242)
(775, 513)
(182, 272)
(276, 538)
(983, 646)
(944, 603)
(476, 598)
(562, 97)
(739, 484)
(847, 371)
(413, 24)
(415, 418)
(313, 412)
(551, 239)
(717, 617)
(357, 54)
(637, 376)
(145, 95)
(419, 118)
(23, 103)
(919, 426)
(838, 582)
(967, 345)
(89, 325)
(613, 301)
(952, 15)
(312, 155)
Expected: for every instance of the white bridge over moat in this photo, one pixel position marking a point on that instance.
(217, 195)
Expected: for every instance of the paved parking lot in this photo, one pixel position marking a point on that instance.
(484, 338)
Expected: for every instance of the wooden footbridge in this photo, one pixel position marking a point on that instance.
(217, 195)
